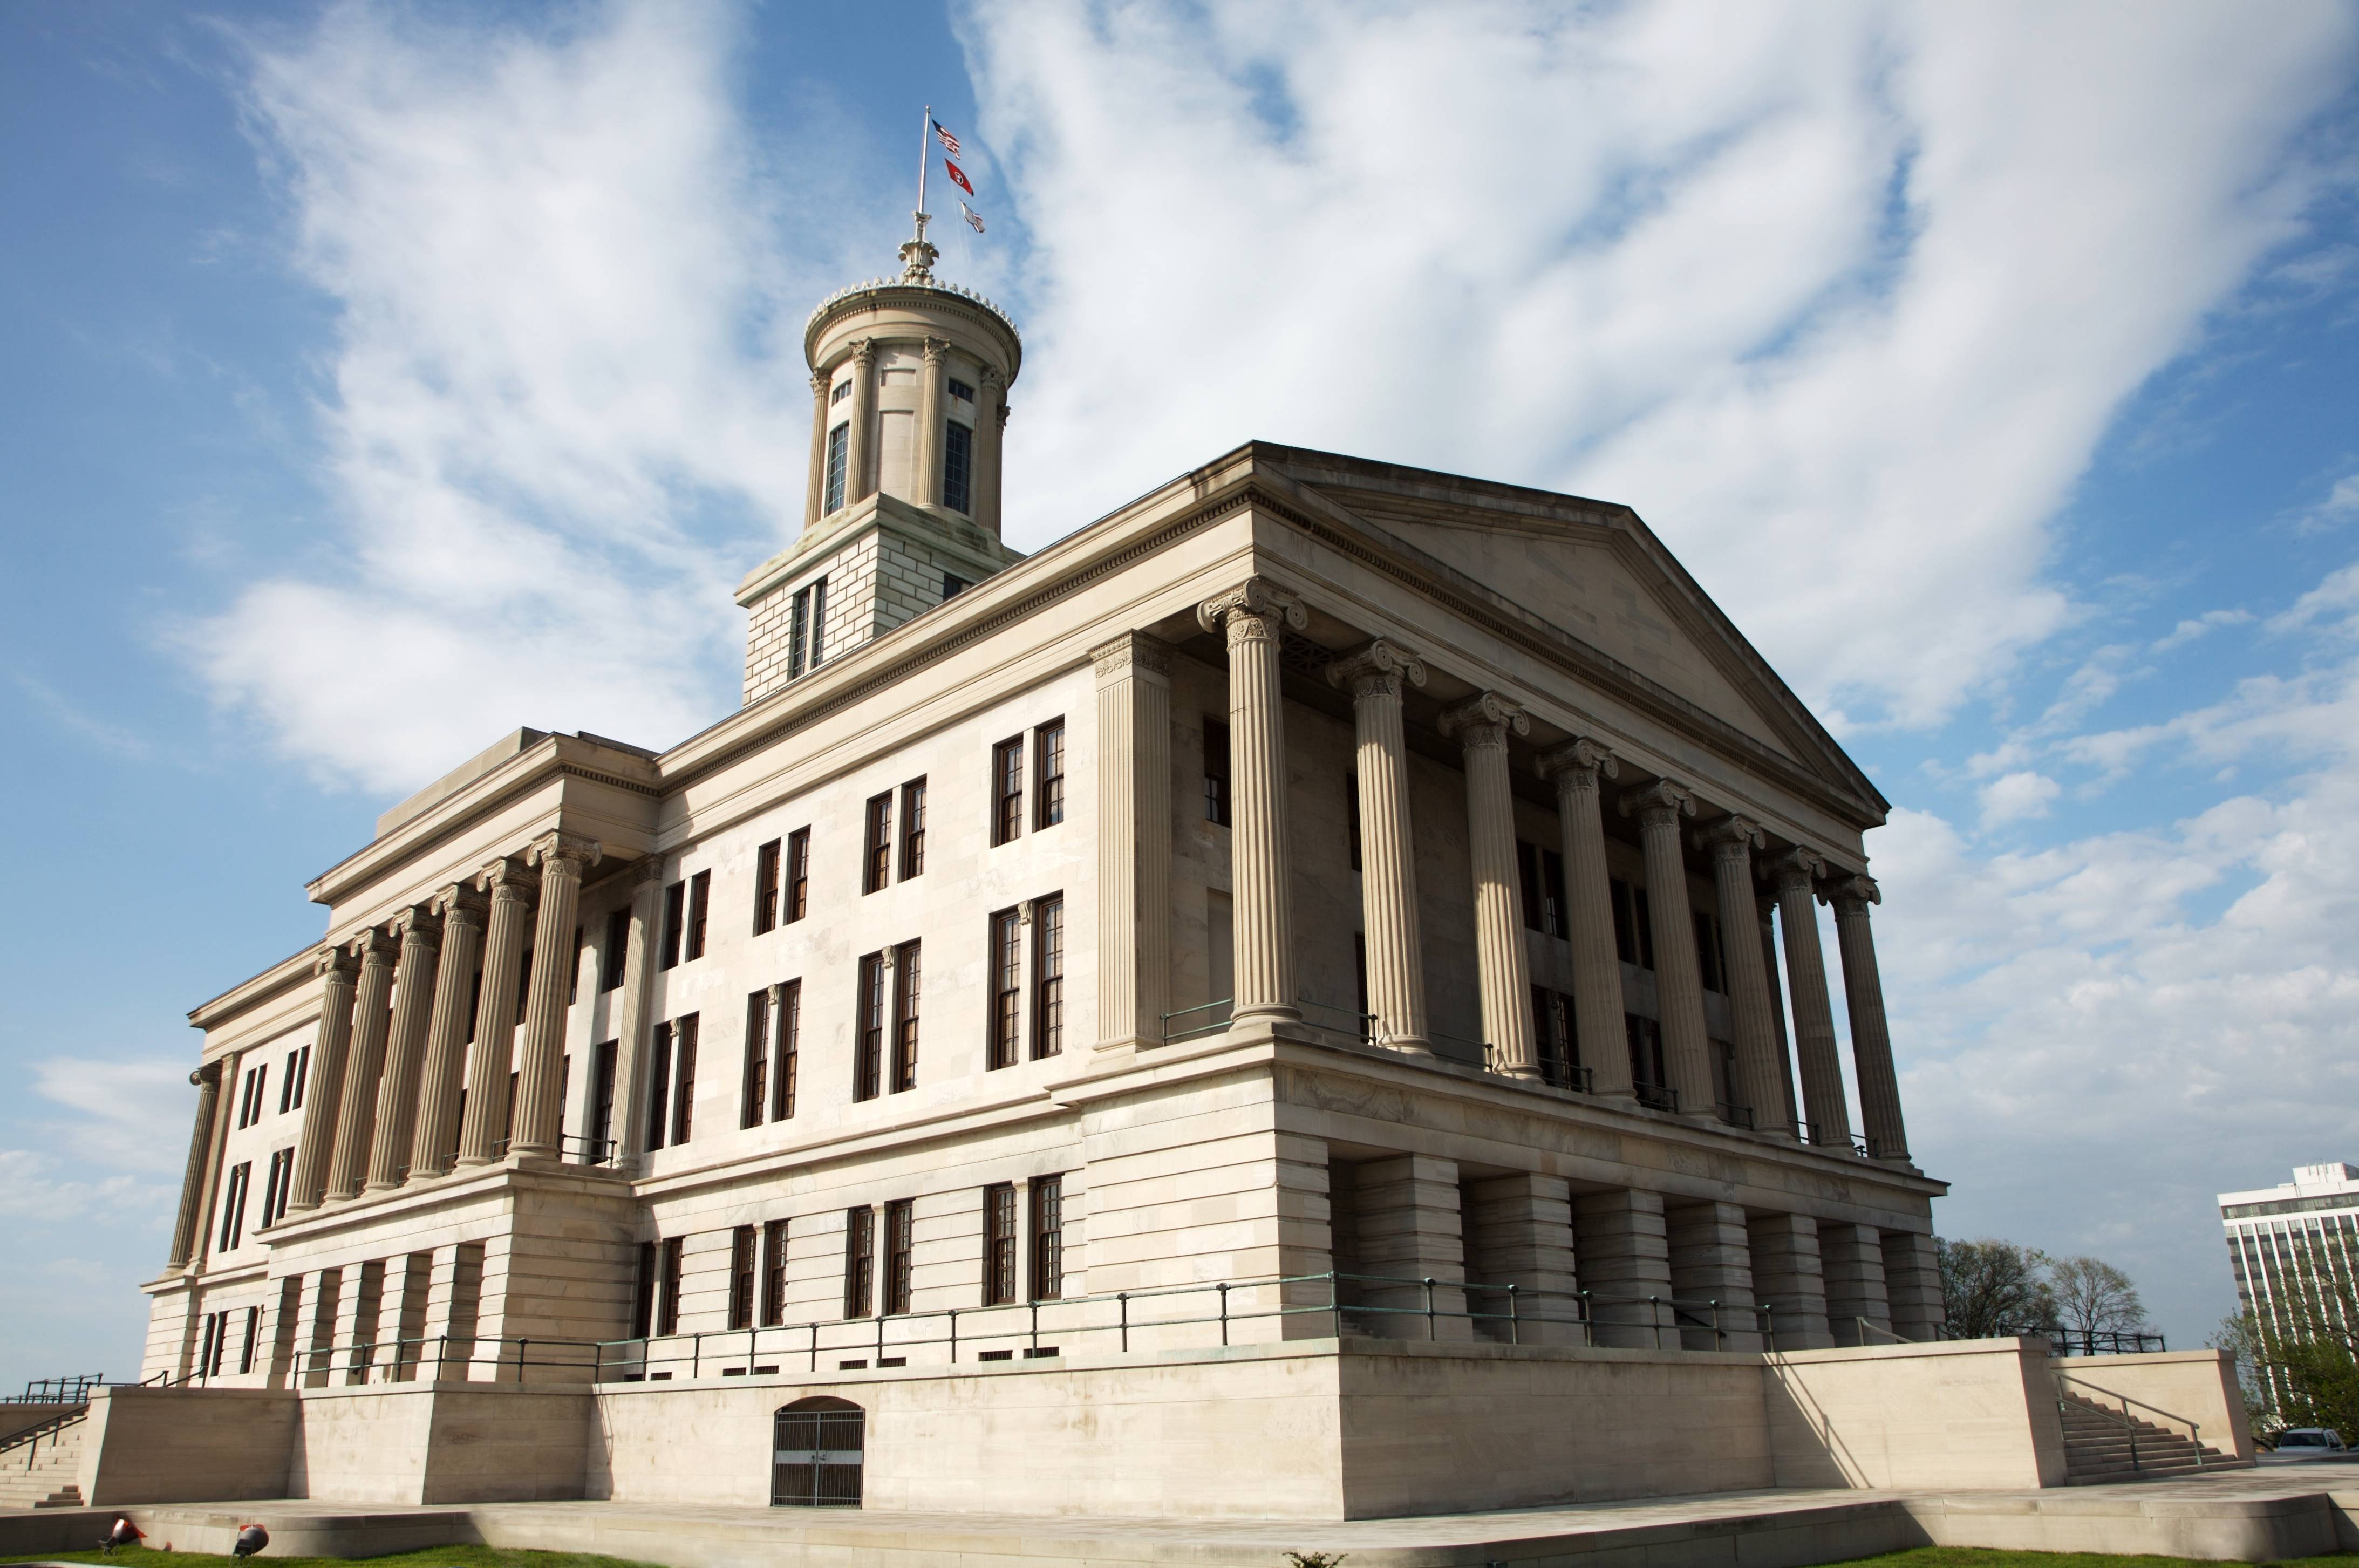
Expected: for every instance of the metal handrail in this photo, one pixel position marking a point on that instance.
(72, 1388)
(1813, 1135)
(2194, 1429)
(50, 1428)
(1192, 1030)
(1657, 1096)
(1735, 1114)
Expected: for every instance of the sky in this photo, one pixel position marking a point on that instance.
(380, 377)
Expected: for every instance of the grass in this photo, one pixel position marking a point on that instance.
(1990, 1557)
(432, 1557)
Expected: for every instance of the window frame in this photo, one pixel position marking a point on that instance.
(958, 467)
(797, 889)
(1008, 790)
(741, 1277)
(859, 1260)
(999, 1244)
(1220, 763)
(1047, 976)
(675, 923)
(913, 828)
(700, 914)
(1045, 1265)
(754, 1092)
(871, 1020)
(908, 978)
(615, 957)
(774, 1273)
(838, 461)
(1005, 973)
(1049, 774)
(900, 1255)
(876, 843)
(786, 1047)
(766, 887)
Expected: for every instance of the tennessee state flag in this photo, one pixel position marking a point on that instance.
(958, 176)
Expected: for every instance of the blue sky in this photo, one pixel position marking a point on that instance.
(387, 376)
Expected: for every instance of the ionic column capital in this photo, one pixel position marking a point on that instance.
(1483, 720)
(1376, 669)
(1796, 870)
(1578, 765)
(1132, 653)
(416, 927)
(1664, 802)
(1733, 839)
(1852, 895)
(207, 1077)
(332, 961)
(1245, 611)
(372, 946)
(553, 849)
(460, 904)
(508, 881)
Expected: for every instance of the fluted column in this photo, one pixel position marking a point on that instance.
(1731, 843)
(1602, 1038)
(1764, 906)
(1503, 975)
(1253, 615)
(1678, 984)
(462, 911)
(192, 1179)
(356, 1112)
(860, 453)
(815, 483)
(929, 455)
(416, 984)
(990, 424)
(634, 1033)
(1387, 861)
(540, 1078)
(339, 973)
(1134, 832)
(1871, 1035)
(510, 886)
(1797, 872)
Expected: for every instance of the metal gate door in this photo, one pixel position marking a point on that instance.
(815, 1454)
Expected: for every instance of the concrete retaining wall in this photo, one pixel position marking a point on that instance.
(2193, 1385)
(173, 1445)
(1969, 1413)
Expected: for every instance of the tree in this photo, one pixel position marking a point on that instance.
(1992, 1288)
(2092, 1297)
(2307, 1350)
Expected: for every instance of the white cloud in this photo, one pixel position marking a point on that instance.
(1840, 299)
(2342, 505)
(136, 1114)
(2188, 630)
(2013, 797)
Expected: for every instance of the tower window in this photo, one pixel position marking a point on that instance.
(958, 466)
(807, 629)
(961, 391)
(842, 390)
(838, 449)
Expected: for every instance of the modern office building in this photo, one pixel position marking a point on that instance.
(2294, 1249)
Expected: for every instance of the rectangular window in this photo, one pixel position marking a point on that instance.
(1007, 987)
(1712, 956)
(842, 390)
(958, 467)
(1352, 813)
(683, 1093)
(774, 1273)
(807, 629)
(1528, 874)
(1048, 770)
(643, 1308)
(900, 1247)
(675, 923)
(754, 1097)
(741, 1277)
(253, 1330)
(1217, 772)
(1547, 1033)
(783, 1071)
(798, 875)
(913, 828)
(700, 906)
(298, 1073)
(659, 1085)
(998, 1243)
(1047, 976)
(249, 1097)
(234, 1204)
(961, 390)
(616, 954)
(839, 448)
(818, 592)
(859, 1260)
(905, 1019)
(602, 1057)
(1646, 1052)
(877, 855)
(1559, 921)
(1007, 789)
(274, 1185)
(1048, 1238)
(868, 1062)
(766, 888)
(573, 970)
(952, 585)
(667, 1312)
(1633, 934)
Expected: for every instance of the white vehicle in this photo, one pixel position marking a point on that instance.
(2300, 1444)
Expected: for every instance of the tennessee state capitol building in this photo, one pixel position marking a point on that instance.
(1098, 1028)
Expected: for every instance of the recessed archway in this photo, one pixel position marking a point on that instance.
(816, 1452)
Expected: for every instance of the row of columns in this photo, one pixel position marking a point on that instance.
(860, 477)
(1251, 618)
(397, 1006)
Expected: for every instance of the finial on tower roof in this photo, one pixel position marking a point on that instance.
(918, 257)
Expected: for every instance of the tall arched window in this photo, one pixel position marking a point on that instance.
(815, 1454)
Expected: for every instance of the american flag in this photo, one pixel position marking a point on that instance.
(948, 140)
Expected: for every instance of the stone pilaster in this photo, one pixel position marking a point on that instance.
(1759, 1061)
(1797, 872)
(632, 1034)
(1789, 1280)
(928, 466)
(860, 448)
(1388, 863)
(1253, 616)
(1597, 1010)
(1912, 1284)
(1503, 971)
(540, 1078)
(207, 1080)
(1871, 1035)
(815, 483)
(510, 887)
(1410, 1230)
(990, 423)
(462, 911)
(339, 973)
(417, 981)
(1711, 1262)
(1520, 1233)
(1133, 680)
(1851, 1256)
(1678, 984)
(1626, 1267)
(356, 1110)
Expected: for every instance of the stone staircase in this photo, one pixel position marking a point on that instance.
(2101, 1445)
(42, 1472)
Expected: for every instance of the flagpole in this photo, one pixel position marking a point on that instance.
(925, 156)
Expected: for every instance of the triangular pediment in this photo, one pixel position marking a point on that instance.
(1595, 573)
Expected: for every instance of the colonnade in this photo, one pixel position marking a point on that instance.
(861, 476)
(1252, 617)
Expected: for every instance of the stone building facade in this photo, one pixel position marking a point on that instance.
(1283, 914)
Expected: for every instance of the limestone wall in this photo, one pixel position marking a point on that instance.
(155, 1446)
(2193, 1385)
(1970, 1414)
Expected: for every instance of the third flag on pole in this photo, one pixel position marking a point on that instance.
(974, 218)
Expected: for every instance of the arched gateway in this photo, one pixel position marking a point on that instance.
(815, 1454)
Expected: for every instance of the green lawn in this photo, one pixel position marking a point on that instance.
(433, 1557)
(1985, 1557)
